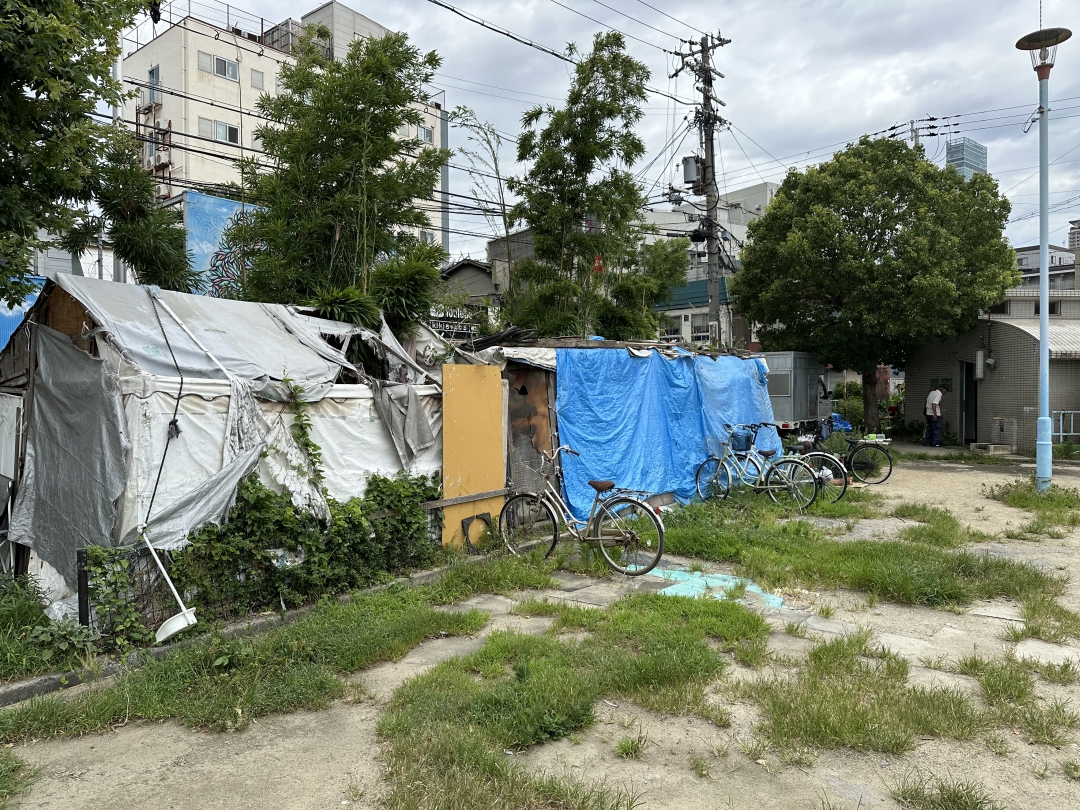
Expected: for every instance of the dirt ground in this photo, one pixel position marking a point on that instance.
(330, 759)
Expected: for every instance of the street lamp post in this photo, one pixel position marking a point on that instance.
(1042, 45)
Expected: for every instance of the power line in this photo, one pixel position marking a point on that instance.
(609, 27)
(634, 19)
(676, 19)
(499, 30)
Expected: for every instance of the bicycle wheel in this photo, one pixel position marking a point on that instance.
(631, 536)
(831, 474)
(713, 479)
(870, 463)
(791, 482)
(527, 523)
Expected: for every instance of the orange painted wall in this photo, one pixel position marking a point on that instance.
(474, 446)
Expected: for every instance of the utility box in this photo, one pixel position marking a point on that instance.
(797, 389)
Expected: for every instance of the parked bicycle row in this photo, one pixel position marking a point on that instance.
(626, 529)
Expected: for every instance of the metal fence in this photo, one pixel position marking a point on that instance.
(1064, 425)
(149, 593)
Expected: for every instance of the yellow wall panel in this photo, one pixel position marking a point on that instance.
(474, 446)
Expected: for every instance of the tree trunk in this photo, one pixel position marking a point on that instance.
(870, 400)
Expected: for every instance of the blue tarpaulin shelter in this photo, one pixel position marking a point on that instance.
(647, 422)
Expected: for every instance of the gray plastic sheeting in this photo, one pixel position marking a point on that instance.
(261, 343)
(209, 503)
(74, 469)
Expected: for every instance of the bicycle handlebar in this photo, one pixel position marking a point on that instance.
(551, 456)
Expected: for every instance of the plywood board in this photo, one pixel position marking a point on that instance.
(474, 447)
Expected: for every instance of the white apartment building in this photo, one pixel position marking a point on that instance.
(199, 73)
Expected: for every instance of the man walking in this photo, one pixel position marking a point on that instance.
(932, 437)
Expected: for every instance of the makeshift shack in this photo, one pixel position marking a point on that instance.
(138, 401)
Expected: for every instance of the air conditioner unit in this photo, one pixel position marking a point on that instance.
(161, 158)
(149, 162)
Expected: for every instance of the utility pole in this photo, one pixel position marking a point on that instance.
(707, 119)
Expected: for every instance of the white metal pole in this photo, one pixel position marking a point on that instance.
(1044, 449)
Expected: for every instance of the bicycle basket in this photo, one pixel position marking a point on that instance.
(741, 441)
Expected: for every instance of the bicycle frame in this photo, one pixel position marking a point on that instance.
(551, 496)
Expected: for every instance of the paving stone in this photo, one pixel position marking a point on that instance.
(907, 646)
(1046, 653)
(832, 627)
(936, 679)
(491, 604)
(789, 646)
(1009, 611)
(572, 582)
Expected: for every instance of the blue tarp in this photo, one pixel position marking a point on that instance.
(646, 422)
(11, 318)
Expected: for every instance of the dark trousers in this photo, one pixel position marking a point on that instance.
(932, 436)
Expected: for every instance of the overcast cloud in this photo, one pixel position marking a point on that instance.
(803, 78)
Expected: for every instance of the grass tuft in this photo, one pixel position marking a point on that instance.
(937, 527)
(1057, 508)
(633, 747)
(931, 793)
(15, 777)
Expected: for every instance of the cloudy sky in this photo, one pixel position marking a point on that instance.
(803, 77)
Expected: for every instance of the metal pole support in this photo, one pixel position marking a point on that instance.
(1044, 448)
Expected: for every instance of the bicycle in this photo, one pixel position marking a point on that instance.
(829, 468)
(869, 462)
(788, 480)
(628, 532)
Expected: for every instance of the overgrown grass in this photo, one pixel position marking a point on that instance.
(449, 728)
(20, 613)
(222, 684)
(955, 457)
(1056, 509)
(15, 777)
(927, 792)
(843, 698)
(937, 527)
(797, 553)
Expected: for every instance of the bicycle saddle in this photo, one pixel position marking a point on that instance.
(802, 448)
(767, 453)
(602, 486)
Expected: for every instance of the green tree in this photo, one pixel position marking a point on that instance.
(56, 58)
(147, 236)
(871, 254)
(336, 185)
(582, 204)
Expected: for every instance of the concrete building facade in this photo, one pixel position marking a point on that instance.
(996, 402)
(201, 70)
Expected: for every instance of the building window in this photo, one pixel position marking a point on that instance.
(226, 69)
(256, 142)
(226, 133)
(257, 79)
(670, 326)
(206, 62)
(206, 128)
(153, 78)
(404, 131)
(426, 134)
(699, 327)
(427, 237)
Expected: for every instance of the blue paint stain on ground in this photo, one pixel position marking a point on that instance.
(696, 584)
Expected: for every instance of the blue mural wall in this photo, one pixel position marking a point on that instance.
(206, 219)
(11, 317)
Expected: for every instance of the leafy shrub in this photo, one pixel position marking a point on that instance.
(29, 642)
(111, 591)
(237, 568)
(63, 639)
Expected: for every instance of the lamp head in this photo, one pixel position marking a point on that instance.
(1042, 45)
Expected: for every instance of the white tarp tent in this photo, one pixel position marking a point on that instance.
(231, 405)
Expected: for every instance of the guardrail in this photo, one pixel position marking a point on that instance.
(1060, 419)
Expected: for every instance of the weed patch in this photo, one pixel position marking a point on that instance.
(448, 729)
(15, 777)
(845, 699)
(796, 553)
(1057, 508)
(924, 792)
(937, 527)
(222, 684)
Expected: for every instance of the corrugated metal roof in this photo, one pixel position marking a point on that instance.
(1064, 335)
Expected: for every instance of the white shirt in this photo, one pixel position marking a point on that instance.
(934, 398)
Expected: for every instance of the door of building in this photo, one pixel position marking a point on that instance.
(969, 404)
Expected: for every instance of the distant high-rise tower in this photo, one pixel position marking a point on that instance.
(966, 155)
(1074, 234)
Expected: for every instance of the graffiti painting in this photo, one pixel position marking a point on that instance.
(207, 220)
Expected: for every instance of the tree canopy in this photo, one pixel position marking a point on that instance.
(865, 257)
(147, 236)
(337, 184)
(56, 58)
(583, 206)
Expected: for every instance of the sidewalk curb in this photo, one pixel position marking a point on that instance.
(19, 691)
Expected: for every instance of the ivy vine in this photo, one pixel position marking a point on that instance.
(301, 430)
(111, 589)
